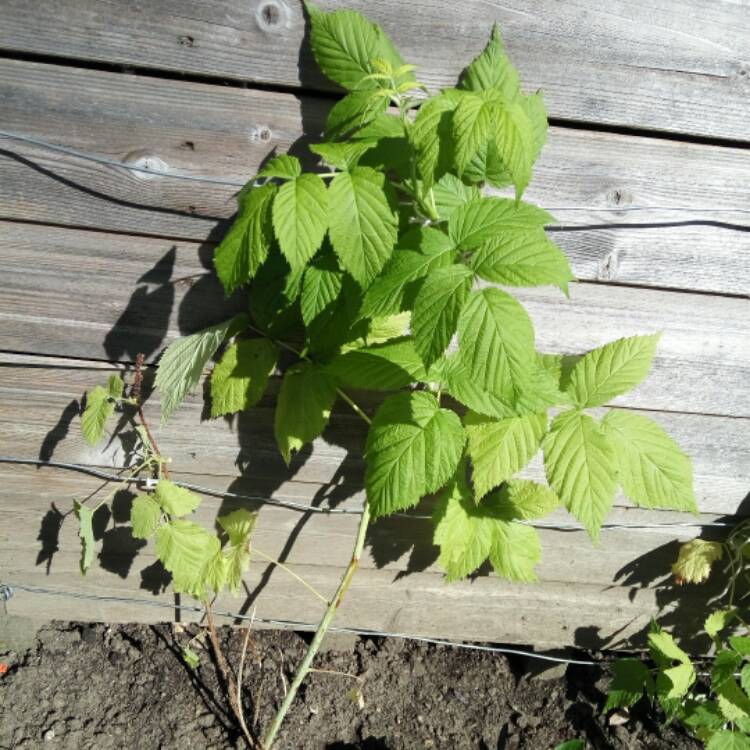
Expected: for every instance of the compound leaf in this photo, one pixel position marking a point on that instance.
(175, 500)
(145, 516)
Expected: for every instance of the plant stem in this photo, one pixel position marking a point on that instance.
(294, 575)
(325, 623)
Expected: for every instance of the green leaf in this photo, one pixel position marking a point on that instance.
(99, 408)
(695, 559)
(299, 218)
(182, 364)
(581, 467)
(240, 378)
(437, 307)
(663, 644)
(526, 500)
(536, 112)
(460, 383)
(741, 644)
(345, 44)
(496, 343)
(321, 288)
(191, 659)
(175, 500)
(726, 663)
(630, 678)
(728, 740)
(185, 549)
(145, 516)
(500, 447)
(382, 127)
(492, 70)
(273, 295)
(237, 563)
(283, 166)
(745, 679)
(214, 572)
(355, 110)
(702, 715)
(413, 448)
(611, 370)
(473, 120)
(717, 621)
(523, 258)
(245, 246)
(115, 386)
(303, 407)
(514, 141)
(85, 518)
(450, 193)
(653, 470)
(363, 222)
(572, 745)
(380, 367)
(387, 328)
(483, 219)
(342, 155)
(681, 679)
(733, 702)
(238, 525)
(515, 551)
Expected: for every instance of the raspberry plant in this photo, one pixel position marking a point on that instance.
(364, 271)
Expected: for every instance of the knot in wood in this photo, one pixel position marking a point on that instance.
(261, 133)
(272, 16)
(609, 266)
(144, 160)
(618, 197)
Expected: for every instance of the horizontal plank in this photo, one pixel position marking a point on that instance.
(38, 418)
(213, 131)
(677, 66)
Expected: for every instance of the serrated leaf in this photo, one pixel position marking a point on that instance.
(653, 470)
(345, 44)
(283, 166)
(745, 679)
(320, 288)
(299, 218)
(726, 663)
(523, 258)
(733, 702)
(85, 518)
(473, 122)
(363, 222)
(387, 328)
(431, 136)
(238, 525)
(214, 572)
(630, 679)
(681, 679)
(695, 559)
(342, 155)
(526, 500)
(303, 407)
(485, 219)
(717, 621)
(237, 563)
(145, 516)
(500, 447)
(182, 364)
(536, 112)
(741, 644)
(99, 408)
(496, 343)
(175, 500)
(449, 193)
(514, 141)
(413, 448)
(728, 740)
(611, 370)
(115, 386)
(355, 110)
(240, 378)
(185, 548)
(702, 715)
(486, 166)
(273, 295)
(437, 307)
(515, 551)
(191, 659)
(382, 126)
(492, 69)
(663, 644)
(245, 246)
(386, 366)
(580, 464)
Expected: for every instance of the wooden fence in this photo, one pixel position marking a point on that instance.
(649, 108)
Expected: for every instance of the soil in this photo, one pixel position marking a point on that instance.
(95, 686)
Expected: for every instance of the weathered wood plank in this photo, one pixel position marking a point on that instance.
(213, 131)
(681, 63)
(38, 418)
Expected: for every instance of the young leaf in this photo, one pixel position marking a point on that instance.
(653, 470)
(630, 678)
(299, 218)
(85, 518)
(492, 70)
(213, 575)
(185, 549)
(181, 365)
(733, 702)
(345, 44)
(436, 309)
(115, 386)
(283, 166)
(191, 659)
(695, 559)
(176, 501)
(718, 620)
(581, 467)
(450, 193)
(611, 370)
(238, 525)
(99, 408)
(526, 500)
(363, 222)
(413, 448)
(240, 378)
(303, 407)
(144, 516)
(500, 448)
(525, 258)
(245, 246)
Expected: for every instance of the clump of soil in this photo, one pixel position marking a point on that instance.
(104, 687)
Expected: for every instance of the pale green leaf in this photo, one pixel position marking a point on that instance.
(630, 679)
(500, 447)
(492, 69)
(145, 516)
(238, 525)
(536, 112)
(176, 501)
(387, 328)
(363, 222)
(462, 384)
(612, 369)
(303, 407)
(185, 549)
(718, 620)
(725, 739)
(115, 386)
(247, 243)
(191, 659)
(695, 559)
(214, 572)
(299, 218)
(437, 307)
(514, 141)
(342, 155)
(449, 193)
(733, 702)
(413, 448)
(681, 678)
(486, 166)
(526, 500)
(740, 643)
(515, 551)
(664, 644)
(581, 467)
(237, 563)
(653, 470)
(240, 378)
(85, 518)
(99, 408)
(182, 364)
(283, 166)
(382, 126)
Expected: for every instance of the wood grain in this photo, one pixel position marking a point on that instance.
(677, 66)
(222, 132)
